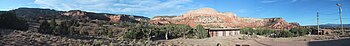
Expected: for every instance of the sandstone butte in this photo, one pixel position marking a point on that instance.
(209, 17)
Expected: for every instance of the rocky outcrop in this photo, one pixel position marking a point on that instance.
(162, 19)
(209, 17)
(121, 18)
(280, 23)
(74, 13)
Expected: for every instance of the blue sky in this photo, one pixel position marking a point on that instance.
(301, 11)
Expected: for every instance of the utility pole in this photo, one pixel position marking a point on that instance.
(341, 21)
(318, 23)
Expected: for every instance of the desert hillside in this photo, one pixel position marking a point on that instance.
(209, 17)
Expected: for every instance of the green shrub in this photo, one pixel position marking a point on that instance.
(11, 21)
(145, 30)
(264, 32)
(132, 34)
(64, 28)
(182, 30)
(251, 31)
(268, 32)
(245, 30)
(47, 28)
(284, 33)
(202, 33)
(299, 31)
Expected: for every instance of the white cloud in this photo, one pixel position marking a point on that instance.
(149, 7)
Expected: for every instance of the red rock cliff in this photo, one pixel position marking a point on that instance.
(209, 17)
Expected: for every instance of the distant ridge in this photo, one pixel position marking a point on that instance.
(47, 13)
(332, 25)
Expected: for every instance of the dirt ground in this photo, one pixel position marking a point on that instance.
(260, 41)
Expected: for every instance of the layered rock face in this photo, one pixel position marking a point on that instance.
(74, 13)
(121, 18)
(83, 14)
(209, 17)
(105, 16)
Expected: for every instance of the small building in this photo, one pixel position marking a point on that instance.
(213, 32)
(322, 31)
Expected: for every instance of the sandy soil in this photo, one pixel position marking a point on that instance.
(261, 41)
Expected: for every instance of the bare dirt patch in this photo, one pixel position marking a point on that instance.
(260, 41)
